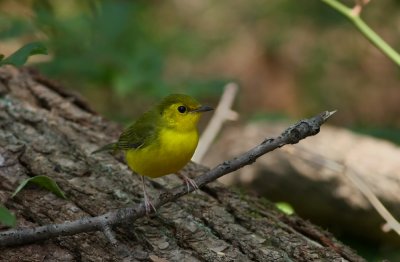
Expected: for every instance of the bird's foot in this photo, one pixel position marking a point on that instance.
(189, 182)
(148, 205)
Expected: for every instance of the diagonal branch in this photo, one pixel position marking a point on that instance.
(374, 38)
(291, 135)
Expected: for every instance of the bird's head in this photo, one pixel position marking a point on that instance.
(181, 112)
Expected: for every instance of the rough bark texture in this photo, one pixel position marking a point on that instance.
(313, 184)
(45, 130)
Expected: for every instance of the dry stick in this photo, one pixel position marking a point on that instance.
(222, 114)
(391, 222)
(291, 135)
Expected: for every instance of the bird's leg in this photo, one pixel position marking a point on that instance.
(147, 203)
(188, 181)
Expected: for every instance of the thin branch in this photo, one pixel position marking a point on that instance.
(291, 135)
(375, 39)
(222, 114)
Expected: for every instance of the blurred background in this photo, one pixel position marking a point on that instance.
(291, 59)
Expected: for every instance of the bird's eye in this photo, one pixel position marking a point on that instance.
(182, 109)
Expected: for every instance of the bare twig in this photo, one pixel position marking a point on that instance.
(222, 114)
(109, 235)
(121, 250)
(291, 135)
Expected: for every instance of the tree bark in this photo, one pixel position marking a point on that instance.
(46, 130)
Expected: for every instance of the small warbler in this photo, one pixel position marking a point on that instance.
(162, 140)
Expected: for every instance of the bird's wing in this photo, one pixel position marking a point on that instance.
(108, 147)
(139, 134)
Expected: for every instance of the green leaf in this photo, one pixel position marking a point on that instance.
(19, 57)
(1, 57)
(42, 181)
(285, 208)
(6, 217)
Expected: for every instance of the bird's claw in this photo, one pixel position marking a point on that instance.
(190, 182)
(148, 205)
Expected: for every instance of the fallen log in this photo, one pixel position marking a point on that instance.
(46, 130)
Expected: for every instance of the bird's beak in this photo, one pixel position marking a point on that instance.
(202, 109)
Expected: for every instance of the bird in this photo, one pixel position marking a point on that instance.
(162, 140)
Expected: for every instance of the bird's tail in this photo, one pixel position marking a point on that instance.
(109, 147)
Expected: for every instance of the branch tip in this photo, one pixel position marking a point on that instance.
(328, 114)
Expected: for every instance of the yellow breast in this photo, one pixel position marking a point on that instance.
(170, 153)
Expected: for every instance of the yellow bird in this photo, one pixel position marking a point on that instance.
(162, 141)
